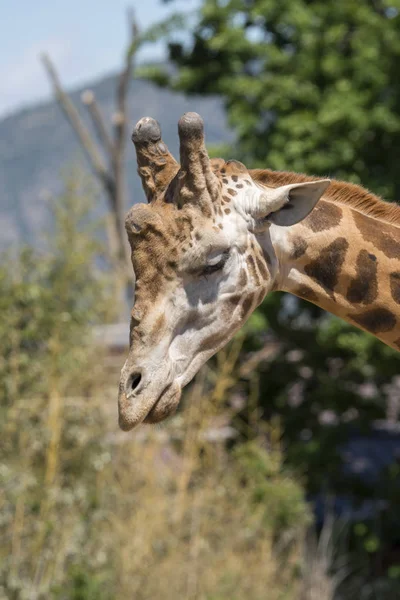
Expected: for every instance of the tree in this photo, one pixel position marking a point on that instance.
(312, 86)
(110, 173)
(51, 301)
(67, 525)
(309, 86)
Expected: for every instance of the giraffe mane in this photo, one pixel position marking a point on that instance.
(341, 192)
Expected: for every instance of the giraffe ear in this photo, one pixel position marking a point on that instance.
(292, 203)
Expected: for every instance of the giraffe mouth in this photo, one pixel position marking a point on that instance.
(149, 408)
(150, 405)
(166, 404)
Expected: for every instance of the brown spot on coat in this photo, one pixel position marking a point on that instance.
(251, 265)
(227, 211)
(383, 236)
(261, 296)
(395, 286)
(235, 177)
(234, 300)
(299, 248)
(262, 267)
(226, 199)
(364, 288)
(323, 217)
(376, 320)
(242, 278)
(232, 192)
(326, 267)
(211, 342)
(247, 305)
(306, 293)
(354, 196)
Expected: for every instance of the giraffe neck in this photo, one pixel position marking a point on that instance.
(344, 261)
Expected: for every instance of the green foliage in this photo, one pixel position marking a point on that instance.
(161, 29)
(324, 371)
(87, 513)
(156, 73)
(49, 300)
(281, 499)
(311, 86)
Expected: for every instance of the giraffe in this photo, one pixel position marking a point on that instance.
(216, 237)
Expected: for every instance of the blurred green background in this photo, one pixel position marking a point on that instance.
(279, 477)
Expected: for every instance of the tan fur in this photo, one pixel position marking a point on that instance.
(344, 255)
(340, 192)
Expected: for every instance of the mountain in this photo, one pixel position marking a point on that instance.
(37, 144)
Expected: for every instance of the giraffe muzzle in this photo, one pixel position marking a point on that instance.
(145, 399)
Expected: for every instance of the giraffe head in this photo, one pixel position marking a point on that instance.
(200, 269)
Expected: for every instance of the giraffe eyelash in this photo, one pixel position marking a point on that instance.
(212, 268)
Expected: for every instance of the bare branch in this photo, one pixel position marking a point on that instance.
(79, 127)
(89, 100)
(111, 175)
(123, 83)
(120, 123)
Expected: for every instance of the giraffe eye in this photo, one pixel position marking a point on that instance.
(215, 264)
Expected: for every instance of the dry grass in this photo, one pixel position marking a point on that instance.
(163, 513)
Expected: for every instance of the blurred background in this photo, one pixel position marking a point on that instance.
(279, 476)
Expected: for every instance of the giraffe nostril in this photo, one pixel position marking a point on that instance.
(135, 379)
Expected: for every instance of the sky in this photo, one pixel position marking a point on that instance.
(84, 38)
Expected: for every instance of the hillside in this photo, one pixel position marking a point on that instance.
(37, 143)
